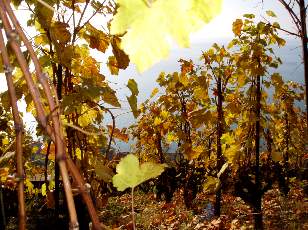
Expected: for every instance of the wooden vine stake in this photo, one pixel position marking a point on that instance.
(53, 128)
(19, 134)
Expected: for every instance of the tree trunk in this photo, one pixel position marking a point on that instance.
(218, 142)
(258, 208)
(159, 148)
(57, 170)
(305, 56)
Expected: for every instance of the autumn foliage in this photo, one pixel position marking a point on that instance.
(227, 129)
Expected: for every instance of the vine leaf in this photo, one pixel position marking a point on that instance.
(237, 26)
(133, 86)
(44, 189)
(117, 133)
(277, 156)
(59, 32)
(97, 39)
(211, 184)
(121, 57)
(132, 100)
(78, 153)
(150, 27)
(113, 65)
(271, 14)
(154, 92)
(44, 15)
(109, 96)
(130, 173)
(103, 172)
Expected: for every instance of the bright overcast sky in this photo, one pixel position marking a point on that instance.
(221, 26)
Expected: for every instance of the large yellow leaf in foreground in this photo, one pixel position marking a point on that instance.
(130, 173)
(151, 24)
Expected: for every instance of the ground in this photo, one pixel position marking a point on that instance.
(279, 212)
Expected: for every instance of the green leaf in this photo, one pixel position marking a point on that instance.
(103, 172)
(211, 184)
(130, 173)
(16, 3)
(132, 85)
(132, 100)
(271, 13)
(250, 16)
(155, 23)
(44, 15)
(109, 96)
(276, 25)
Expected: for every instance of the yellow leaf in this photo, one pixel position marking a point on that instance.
(232, 153)
(109, 96)
(227, 138)
(184, 80)
(78, 153)
(4, 172)
(211, 184)
(59, 32)
(35, 149)
(277, 156)
(194, 152)
(121, 57)
(154, 92)
(200, 94)
(130, 173)
(157, 121)
(241, 79)
(5, 141)
(237, 27)
(113, 65)
(87, 116)
(133, 86)
(30, 186)
(164, 114)
(157, 21)
(43, 189)
(171, 137)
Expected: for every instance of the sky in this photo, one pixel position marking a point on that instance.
(221, 26)
(218, 30)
